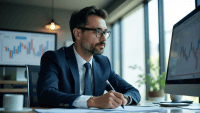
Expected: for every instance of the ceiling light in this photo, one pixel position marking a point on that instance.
(52, 25)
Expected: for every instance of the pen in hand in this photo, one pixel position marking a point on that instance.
(108, 83)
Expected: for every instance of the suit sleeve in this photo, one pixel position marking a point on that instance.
(120, 85)
(48, 84)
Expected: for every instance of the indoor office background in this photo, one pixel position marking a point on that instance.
(145, 33)
(141, 30)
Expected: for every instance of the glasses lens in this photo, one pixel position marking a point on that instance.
(100, 33)
(107, 35)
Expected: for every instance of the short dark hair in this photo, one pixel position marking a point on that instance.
(79, 19)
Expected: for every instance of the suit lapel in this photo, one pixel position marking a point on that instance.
(74, 67)
(96, 76)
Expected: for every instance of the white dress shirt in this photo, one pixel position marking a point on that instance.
(81, 101)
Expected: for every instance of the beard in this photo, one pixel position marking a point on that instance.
(92, 48)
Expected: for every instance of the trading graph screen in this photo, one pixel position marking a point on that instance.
(184, 63)
(20, 48)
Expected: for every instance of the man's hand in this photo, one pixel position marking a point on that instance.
(109, 100)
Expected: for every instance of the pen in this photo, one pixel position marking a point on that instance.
(108, 83)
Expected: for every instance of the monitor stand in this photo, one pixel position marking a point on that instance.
(184, 104)
(173, 104)
(176, 101)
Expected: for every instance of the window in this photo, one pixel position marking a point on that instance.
(107, 50)
(128, 44)
(133, 47)
(154, 35)
(173, 12)
(116, 47)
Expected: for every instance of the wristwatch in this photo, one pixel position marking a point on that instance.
(128, 98)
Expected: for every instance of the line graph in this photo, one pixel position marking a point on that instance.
(192, 49)
(184, 55)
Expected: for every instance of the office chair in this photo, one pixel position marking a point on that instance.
(32, 76)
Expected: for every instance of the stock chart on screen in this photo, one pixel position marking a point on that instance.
(20, 48)
(185, 51)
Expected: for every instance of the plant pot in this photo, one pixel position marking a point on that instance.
(156, 95)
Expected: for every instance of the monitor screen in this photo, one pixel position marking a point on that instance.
(18, 48)
(183, 72)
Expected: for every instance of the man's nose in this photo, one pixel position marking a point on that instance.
(103, 37)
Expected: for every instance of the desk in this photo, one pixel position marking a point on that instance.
(171, 109)
(167, 109)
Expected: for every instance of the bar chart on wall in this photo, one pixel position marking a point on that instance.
(17, 48)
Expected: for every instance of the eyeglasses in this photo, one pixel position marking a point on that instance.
(99, 32)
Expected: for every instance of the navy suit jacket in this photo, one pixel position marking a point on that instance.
(58, 82)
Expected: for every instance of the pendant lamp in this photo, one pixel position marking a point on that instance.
(52, 25)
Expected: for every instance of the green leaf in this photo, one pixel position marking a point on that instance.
(156, 83)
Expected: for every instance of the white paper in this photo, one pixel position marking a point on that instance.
(119, 109)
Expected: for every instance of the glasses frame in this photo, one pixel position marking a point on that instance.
(103, 32)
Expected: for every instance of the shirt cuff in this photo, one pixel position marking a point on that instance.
(130, 100)
(81, 101)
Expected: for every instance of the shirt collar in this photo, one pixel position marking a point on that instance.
(80, 60)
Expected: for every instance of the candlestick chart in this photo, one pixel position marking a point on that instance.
(30, 50)
(192, 51)
(24, 49)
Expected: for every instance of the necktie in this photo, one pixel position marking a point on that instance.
(88, 85)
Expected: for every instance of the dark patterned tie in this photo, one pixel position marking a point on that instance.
(88, 85)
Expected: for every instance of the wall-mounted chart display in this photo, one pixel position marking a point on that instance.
(20, 47)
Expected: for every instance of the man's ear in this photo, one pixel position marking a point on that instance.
(77, 33)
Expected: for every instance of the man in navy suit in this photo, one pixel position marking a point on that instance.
(62, 78)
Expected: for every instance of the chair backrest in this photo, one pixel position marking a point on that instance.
(32, 76)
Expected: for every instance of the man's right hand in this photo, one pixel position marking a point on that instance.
(109, 100)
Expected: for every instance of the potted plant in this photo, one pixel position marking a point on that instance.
(155, 81)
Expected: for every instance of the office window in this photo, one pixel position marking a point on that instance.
(116, 47)
(175, 10)
(154, 35)
(133, 47)
(107, 51)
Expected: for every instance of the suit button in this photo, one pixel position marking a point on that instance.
(66, 105)
(60, 104)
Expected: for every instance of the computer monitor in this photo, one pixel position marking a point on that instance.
(183, 72)
(20, 48)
